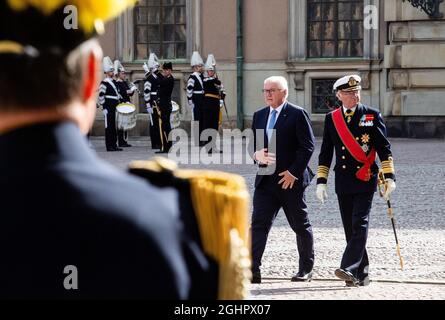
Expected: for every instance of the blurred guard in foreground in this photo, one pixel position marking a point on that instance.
(72, 226)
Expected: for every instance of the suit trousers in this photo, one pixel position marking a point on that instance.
(268, 199)
(355, 209)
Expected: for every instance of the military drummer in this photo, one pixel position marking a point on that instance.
(357, 134)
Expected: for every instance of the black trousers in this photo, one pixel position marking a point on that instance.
(154, 131)
(110, 130)
(210, 118)
(355, 209)
(122, 136)
(198, 101)
(166, 128)
(268, 199)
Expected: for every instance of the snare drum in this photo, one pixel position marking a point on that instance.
(126, 116)
(175, 120)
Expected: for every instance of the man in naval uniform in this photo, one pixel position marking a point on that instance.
(195, 95)
(357, 134)
(126, 91)
(108, 100)
(151, 87)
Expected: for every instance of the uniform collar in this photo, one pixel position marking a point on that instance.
(353, 109)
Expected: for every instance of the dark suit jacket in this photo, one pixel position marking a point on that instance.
(63, 206)
(294, 142)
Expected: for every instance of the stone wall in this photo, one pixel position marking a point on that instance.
(414, 61)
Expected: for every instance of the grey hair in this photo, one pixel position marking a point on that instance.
(280, 81)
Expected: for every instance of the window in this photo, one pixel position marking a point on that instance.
(335, 28)
(160, 27)
(323, 96)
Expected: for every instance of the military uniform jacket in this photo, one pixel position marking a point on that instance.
(369, 131)
(124, 91)
(109, 96)
(66, 207)
(166, 85)
(151, 87)
(195, 88)
(212, 90)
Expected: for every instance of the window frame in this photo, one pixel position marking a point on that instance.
(162, 41)
(125, 38)
(336, 23)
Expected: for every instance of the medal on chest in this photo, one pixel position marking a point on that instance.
(367, 121)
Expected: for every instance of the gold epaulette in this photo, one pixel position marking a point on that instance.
(221, 203)
(323, 172)
(388, 166)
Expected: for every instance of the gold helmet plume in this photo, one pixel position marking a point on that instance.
(92, 13)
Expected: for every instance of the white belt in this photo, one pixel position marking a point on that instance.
(154, 93)
(198, 92)
(112, 97)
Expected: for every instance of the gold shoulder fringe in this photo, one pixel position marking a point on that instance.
(220, 201)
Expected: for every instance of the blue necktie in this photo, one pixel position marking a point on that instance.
(273, 119)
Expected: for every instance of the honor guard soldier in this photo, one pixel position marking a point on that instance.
(195, 94)
(74, 227)
(126, 91)
(109, 98)
(357, 134)
(151, 88)
(166, 85)
(212, 101)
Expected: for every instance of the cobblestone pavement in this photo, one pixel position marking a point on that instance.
(420, 219)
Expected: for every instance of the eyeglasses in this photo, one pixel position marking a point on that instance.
(272, 91)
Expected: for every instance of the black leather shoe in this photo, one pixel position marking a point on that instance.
(126, 145)
(346, 276)
(361, 283)
(302, 276)
(256, 277)
(161, 151)
(114, 149)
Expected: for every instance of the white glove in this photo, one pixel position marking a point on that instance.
(191, 104)
(390, 186)
(322, 194)
(150, 110)
(105, 112)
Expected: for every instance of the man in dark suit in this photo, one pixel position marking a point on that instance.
(72, 226)
(357, 134)
(284, 175)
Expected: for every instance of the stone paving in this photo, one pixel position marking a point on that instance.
(419, 208)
